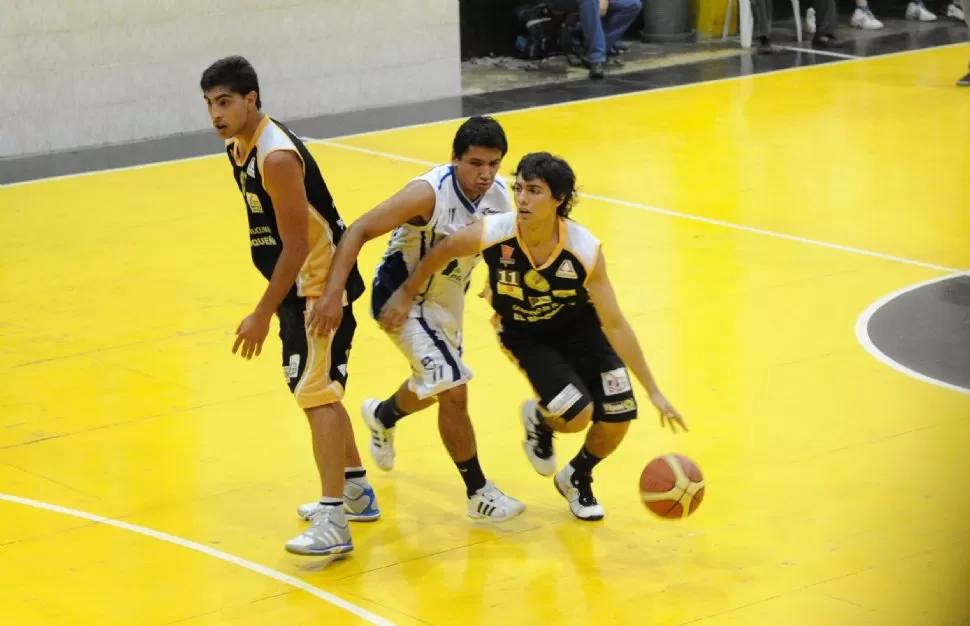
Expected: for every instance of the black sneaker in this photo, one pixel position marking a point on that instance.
(964, 82)
(538, 443)
(578, 490)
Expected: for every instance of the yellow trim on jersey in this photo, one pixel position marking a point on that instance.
(563, 232)
(252, 144)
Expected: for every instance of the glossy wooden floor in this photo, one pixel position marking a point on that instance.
(835, 491)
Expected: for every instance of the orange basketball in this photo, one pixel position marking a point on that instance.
(672, 486)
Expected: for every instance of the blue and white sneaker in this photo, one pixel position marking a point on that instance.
(360, 504)
(328, 534)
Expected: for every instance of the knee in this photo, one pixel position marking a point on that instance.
(579, 422)
(453, 402)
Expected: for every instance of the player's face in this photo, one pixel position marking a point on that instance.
(534, 200)
(476, 169)
(229, 111)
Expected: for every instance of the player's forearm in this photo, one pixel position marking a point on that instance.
(627, 347)
(284, 275)
(343, 262)
(433, 262)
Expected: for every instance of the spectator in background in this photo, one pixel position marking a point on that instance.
(917, 11)
(863, 18)
(823, 21)
(761, 14)
(603, 23)
(965, 81)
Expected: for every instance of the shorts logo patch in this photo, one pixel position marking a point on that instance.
(616, 408)
(292, 370)
(616, 381)
(566, 270)
(565, 399)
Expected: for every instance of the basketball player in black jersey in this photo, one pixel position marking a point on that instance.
(558, 319)
(293, 230)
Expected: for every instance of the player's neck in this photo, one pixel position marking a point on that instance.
(473, 195)
(541, 235)
(245, 136)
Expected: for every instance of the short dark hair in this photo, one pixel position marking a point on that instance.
(557, 174)
(233, 72)
(480, 131)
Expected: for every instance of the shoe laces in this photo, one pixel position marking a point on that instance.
(583, 482)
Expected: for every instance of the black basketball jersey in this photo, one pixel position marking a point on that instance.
(325, 225)
(544, 298)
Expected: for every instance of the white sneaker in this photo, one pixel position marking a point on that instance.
(810, 21)
(538, 440)
(328, 534)
(381, 437)
(491, 504)
(918, 11)
(578, 491)
(360, 504)
(864, 19)
(955, 11)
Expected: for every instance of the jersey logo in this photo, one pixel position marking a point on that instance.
(511, 291)
(254, 204)
(251, 169)
(535, 280)
(564, 293)
(566, 270)
(507, 252)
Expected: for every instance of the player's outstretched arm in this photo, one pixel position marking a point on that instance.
(625, 342)
(283, 177)
(465, 242)
(414, 202)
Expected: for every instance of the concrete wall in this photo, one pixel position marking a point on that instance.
(79, 73)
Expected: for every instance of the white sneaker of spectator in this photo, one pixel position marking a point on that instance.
(810, 21)
(955, 11)
(864, 19)
(918, 11)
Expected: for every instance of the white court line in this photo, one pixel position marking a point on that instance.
(678, 214)
(862, 334)
(824, 53)
(296, 583)
(508, 112)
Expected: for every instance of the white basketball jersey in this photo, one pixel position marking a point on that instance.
(409, 243)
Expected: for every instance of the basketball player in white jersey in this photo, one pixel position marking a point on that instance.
(425, 211)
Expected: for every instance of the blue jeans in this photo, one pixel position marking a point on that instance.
(602, 34)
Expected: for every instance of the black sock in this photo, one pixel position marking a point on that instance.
(471, 473)
(356, 472)
(388, 413)
(585, 461)
(325, 501)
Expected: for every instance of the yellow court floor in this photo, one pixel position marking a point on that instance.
(835, 490)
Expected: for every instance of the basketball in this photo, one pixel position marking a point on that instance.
(672, 486)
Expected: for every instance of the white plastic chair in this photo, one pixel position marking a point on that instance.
(747, 21)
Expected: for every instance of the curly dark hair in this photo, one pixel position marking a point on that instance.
(555, 172)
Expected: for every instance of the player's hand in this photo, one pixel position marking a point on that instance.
(395, 311)
(251, 334)
(324, 316)
(668, 414)
(484, 293)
